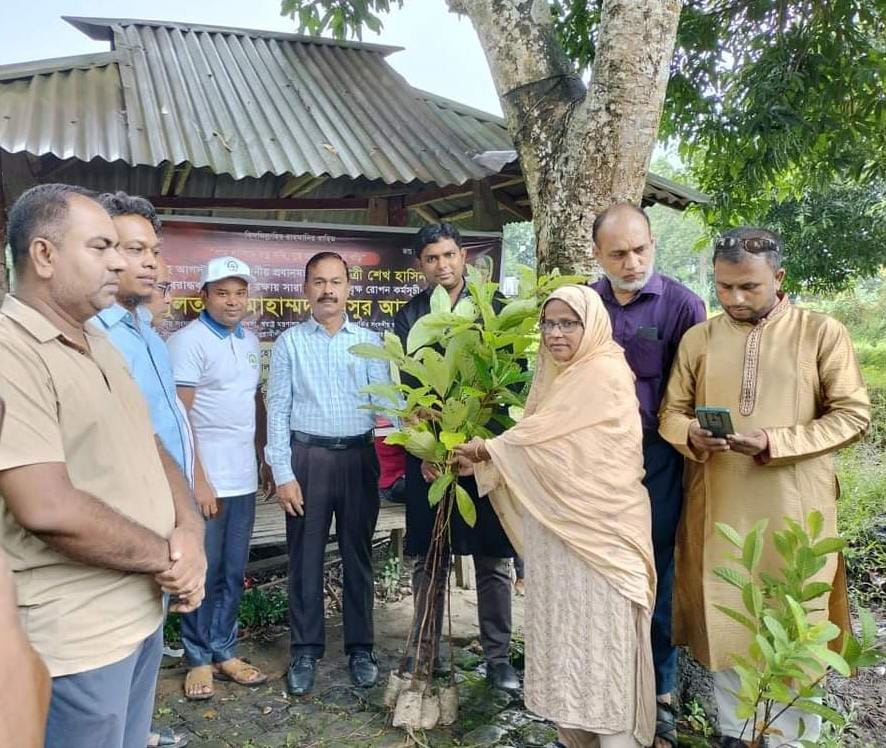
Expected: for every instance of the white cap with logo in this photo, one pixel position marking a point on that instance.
(219, 268)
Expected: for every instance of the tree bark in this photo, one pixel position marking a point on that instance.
(580, 148)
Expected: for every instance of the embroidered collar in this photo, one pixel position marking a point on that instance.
(750, 375)
(220, 330)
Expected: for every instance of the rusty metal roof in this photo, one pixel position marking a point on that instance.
(239, 102)
(251, 105)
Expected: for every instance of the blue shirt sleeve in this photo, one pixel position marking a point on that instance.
(278, 453)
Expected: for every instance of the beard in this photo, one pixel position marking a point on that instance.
(633, 286)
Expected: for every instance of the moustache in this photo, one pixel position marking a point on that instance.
(327, 298)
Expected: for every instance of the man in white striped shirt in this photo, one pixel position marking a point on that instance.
(321, 451)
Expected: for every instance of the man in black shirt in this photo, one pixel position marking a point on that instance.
(442, 258)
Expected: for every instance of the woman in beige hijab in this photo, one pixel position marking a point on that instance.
(566, 483)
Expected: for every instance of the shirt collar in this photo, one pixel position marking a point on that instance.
(115, 314)
(348, 326)
(654, 287)
(464, 293)
(29, 318)
(220, 330)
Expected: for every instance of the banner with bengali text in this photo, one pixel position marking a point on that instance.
(383, 271)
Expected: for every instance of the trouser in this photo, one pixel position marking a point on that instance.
(341, 483)
(493, 576)
(110, 706)
(664, 482)
(727, 682)
(209, 634)
(572, 738)
(519, 567)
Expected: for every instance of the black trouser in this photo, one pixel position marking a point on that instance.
(344, 483)
(493, 577)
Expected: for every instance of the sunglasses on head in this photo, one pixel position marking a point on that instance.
(754, 245)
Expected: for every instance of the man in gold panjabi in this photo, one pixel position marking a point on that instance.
(794, 390)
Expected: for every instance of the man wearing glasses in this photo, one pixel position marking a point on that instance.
(650, 314)
(788, 381)
(155, 311)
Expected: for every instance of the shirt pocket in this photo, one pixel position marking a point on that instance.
(645, 357)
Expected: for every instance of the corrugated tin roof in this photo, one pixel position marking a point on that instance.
(238, 102)
(246, 105)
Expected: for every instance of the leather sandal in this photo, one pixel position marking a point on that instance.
(240, 672)
(198, 683)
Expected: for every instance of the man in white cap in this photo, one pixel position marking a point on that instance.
(216, 366)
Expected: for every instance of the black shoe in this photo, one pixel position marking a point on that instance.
(300, 678)
(502, 675)
(364, 668)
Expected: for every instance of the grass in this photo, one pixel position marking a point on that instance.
(861, 515)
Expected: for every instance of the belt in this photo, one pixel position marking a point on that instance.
(334, 442)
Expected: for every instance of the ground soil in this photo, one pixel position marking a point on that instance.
(337, 714)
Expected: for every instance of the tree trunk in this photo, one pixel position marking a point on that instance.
(580, 148)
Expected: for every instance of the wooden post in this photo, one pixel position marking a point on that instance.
(397, 213)
(487, 216)
(377, 213)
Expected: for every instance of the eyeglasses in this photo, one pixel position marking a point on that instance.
(754, 245)
(164, 288)
(566, 326)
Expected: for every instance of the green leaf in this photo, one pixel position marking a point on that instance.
(753, 547)
(452, 439)
(440, 300)
(438, 488)
(515, 311)
(455, 413)
(826, 713)
(389, 392)
(422, 444)
(466, 309)
(814, 590)
(777, 631)
(739, 617)
(752, 599)
(466, 507)
(393, 345)
(730, 533)
(832, 660)
(868, 628)
(815, 523)
(799, 615)
(828, 545)
(437, 372)
(421, 334)
(778, 692)
(370, 350)
(731, 577)
(766, 649)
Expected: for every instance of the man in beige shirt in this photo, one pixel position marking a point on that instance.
(97, 521)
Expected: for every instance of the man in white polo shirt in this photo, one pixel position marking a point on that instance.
(216, 366)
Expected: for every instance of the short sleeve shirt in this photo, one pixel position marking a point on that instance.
(147, 358)
(224, 368)
(81, 407)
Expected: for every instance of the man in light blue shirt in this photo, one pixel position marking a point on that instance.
(144, 351)
(129, 329)
(321, 452)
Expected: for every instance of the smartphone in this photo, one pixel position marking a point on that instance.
(716, 420)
